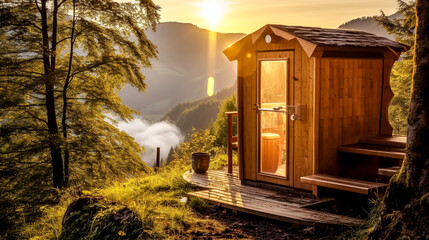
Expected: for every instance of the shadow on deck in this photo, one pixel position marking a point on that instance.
(226, 190)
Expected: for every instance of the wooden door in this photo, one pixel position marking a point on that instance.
(275, 128)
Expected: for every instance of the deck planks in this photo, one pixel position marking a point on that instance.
(220, 180)
(227, 191)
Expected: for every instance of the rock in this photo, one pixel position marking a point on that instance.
(95, 218)
(77, 206)
(123, 214)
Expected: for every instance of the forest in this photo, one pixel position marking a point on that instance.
(68, 172)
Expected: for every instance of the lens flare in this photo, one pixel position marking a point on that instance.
(210, 86)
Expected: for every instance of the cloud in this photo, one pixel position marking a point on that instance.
(152, 135)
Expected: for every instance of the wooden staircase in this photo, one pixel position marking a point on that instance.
(375, 158)
(373, 150)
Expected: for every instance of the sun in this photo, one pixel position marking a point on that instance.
(212, 11)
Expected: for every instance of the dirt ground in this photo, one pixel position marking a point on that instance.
(246, 226)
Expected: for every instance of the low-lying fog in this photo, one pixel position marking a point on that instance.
(152, 135)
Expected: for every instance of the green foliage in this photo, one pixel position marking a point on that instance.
(401, 86)
(401, 77)
(220, 126)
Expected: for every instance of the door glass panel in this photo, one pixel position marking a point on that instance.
(273, 122)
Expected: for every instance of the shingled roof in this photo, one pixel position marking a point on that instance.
(312, 37)
(340, 37)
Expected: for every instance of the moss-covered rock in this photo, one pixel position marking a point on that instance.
(95, 218)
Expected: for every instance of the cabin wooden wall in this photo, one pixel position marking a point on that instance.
(349, 106)
(303, 71)
(304, 126)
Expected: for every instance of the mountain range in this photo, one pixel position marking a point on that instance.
(181, 71)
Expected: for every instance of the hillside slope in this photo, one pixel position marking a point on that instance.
(198, 114)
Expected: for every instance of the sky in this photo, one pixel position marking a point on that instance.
(246, 16)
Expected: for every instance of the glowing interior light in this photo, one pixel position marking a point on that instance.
(248, 55)
(210, 86)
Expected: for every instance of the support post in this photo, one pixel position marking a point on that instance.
(157, 158)
(229, 143)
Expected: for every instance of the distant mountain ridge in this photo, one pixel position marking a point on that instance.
(181, 71)
(368, 24)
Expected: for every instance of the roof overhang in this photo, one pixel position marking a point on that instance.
(234, 50)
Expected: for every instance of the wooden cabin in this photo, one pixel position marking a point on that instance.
(313, 108)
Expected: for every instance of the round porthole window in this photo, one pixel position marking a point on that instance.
(268, 38)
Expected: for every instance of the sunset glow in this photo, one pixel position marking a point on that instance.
(212, 12)
(245, 16)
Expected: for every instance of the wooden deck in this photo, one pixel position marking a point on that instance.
(227, 191)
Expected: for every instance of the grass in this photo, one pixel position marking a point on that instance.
(159, 201)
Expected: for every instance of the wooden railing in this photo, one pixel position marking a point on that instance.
(232, 139)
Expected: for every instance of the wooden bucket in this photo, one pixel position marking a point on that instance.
(200, 162)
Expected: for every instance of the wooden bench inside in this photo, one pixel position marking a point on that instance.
(340, 183)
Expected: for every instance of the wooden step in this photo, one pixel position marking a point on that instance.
(389, 141)
(273, 209)
(389, 171)
(345, 184)
(373, 150)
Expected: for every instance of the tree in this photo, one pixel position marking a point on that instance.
(220, 127)
(404, 210)
(56, 67)
(63, 61)
(403, 29)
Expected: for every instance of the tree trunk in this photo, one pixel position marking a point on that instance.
(66, 84)
(49, 67)
(404, 211)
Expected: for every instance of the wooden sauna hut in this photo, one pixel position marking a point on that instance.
(313, 108)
